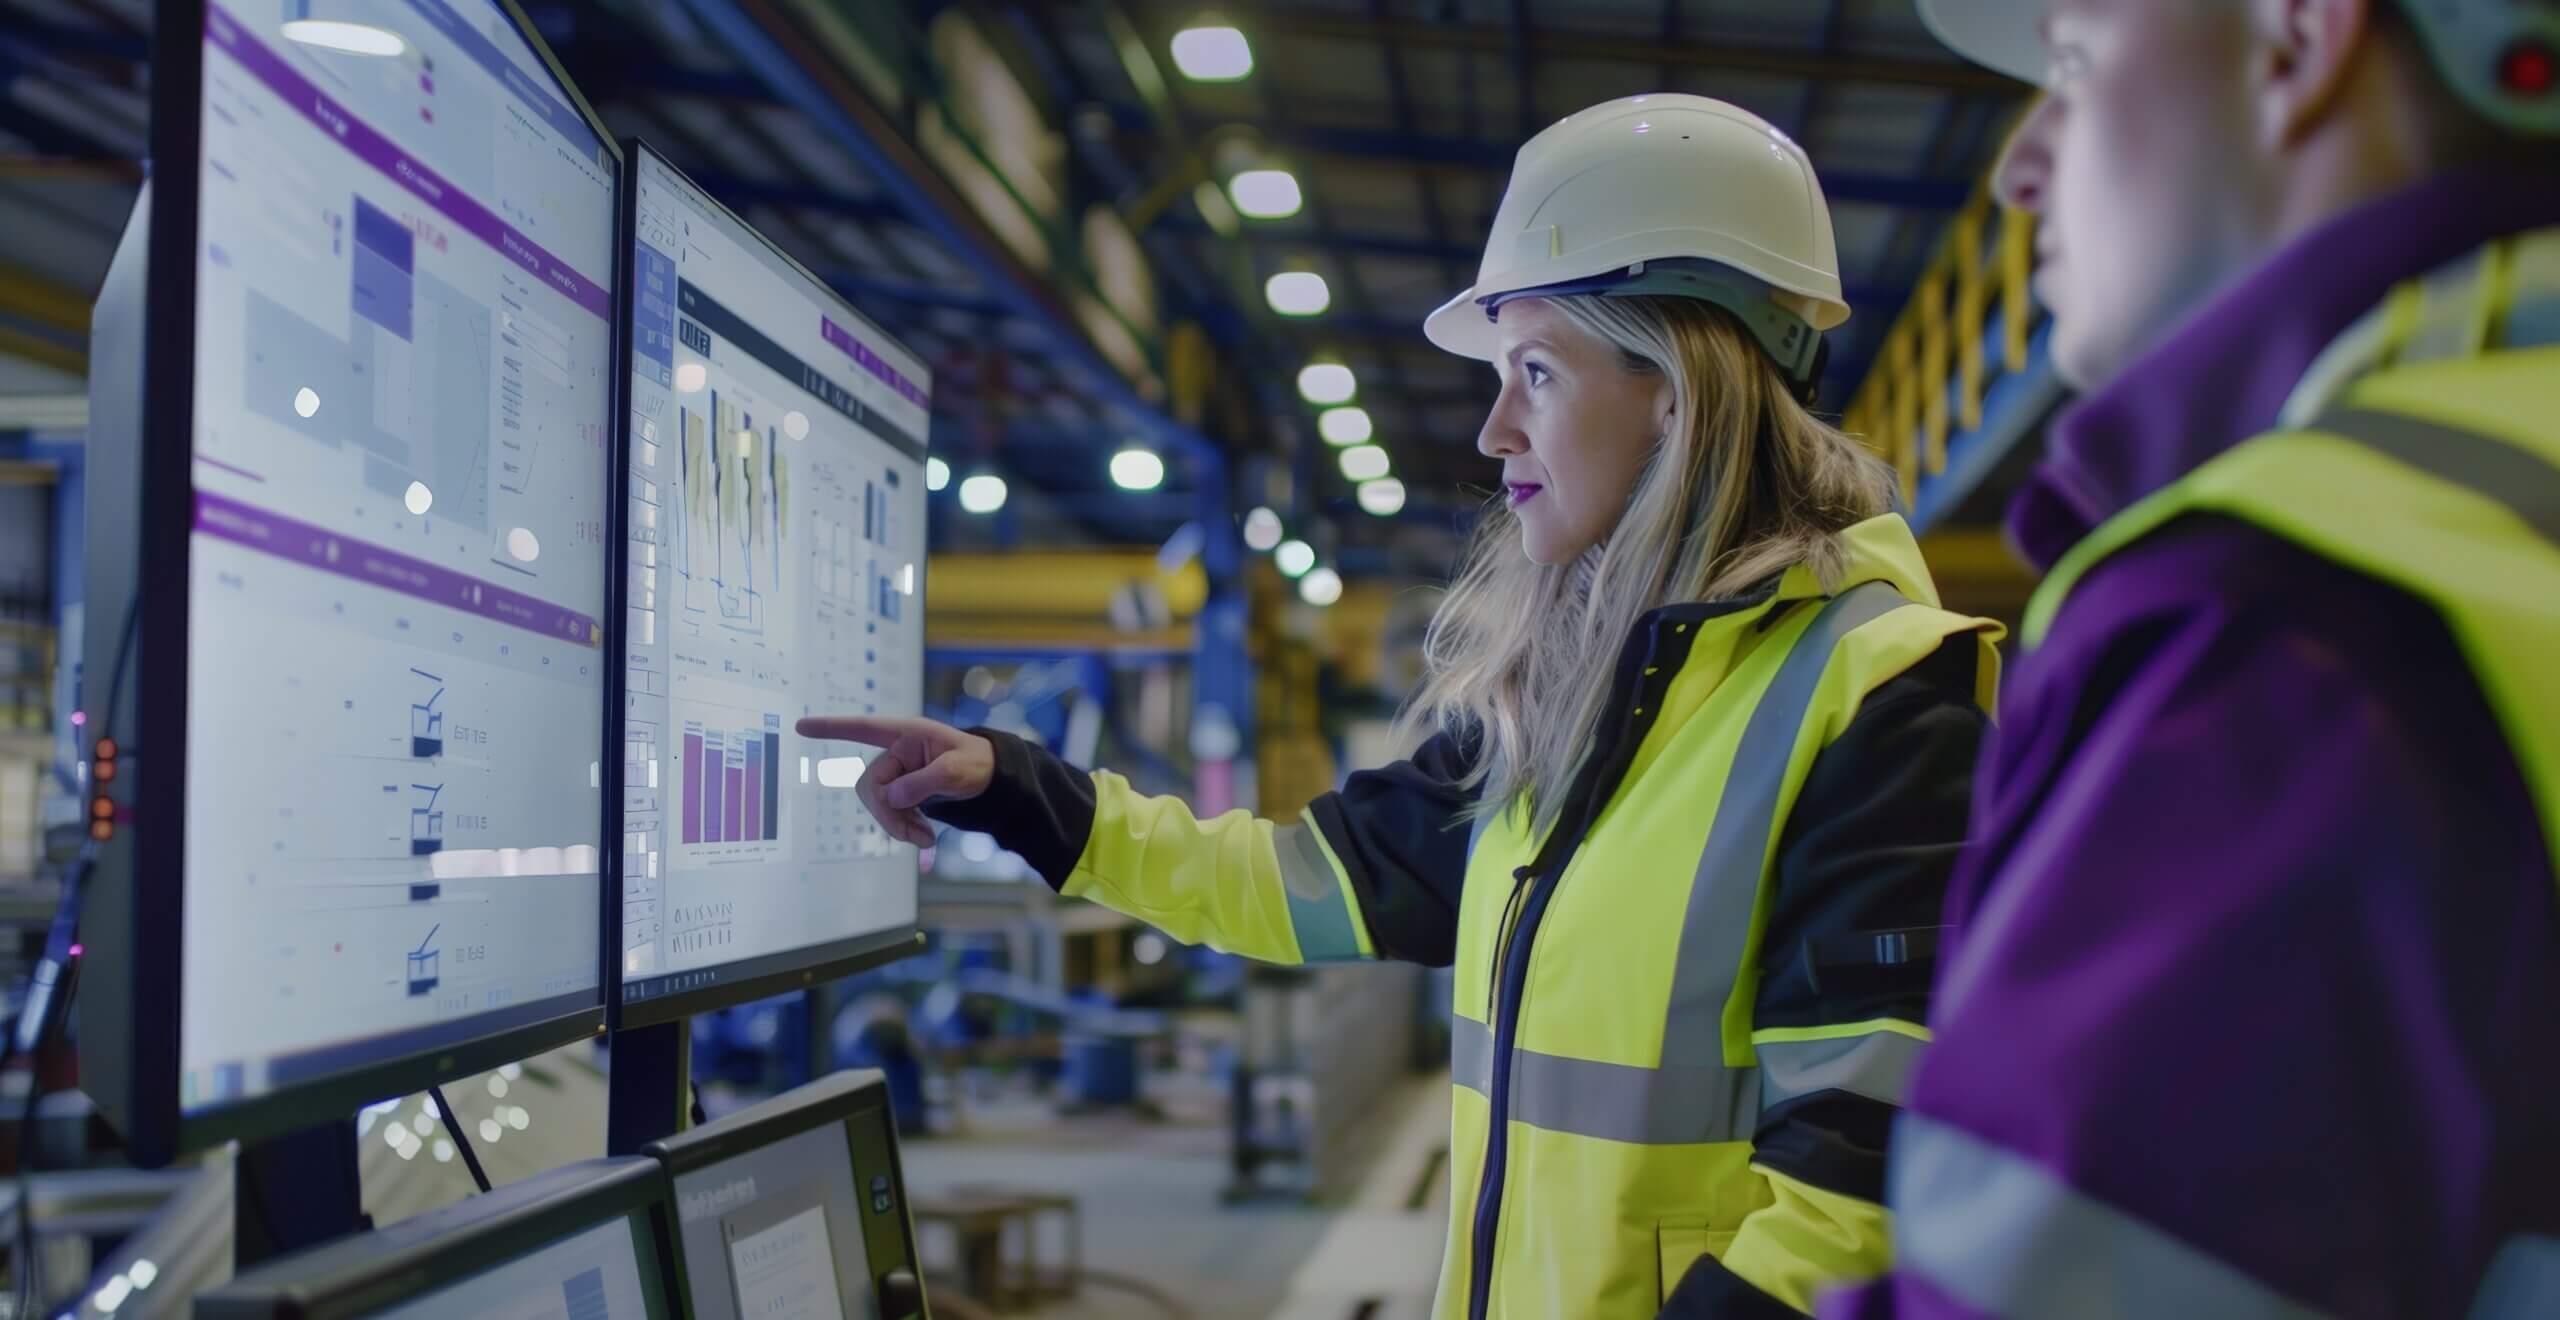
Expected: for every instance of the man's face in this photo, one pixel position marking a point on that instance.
(2139, 160)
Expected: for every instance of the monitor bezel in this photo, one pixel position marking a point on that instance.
(362, 1274)
(833, 1100)
(812, 964)
(156, 1124)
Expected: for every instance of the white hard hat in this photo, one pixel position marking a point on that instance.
(1670, 194)
(2502, 57)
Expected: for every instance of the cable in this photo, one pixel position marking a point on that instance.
(453, 1129)
(38, 1014)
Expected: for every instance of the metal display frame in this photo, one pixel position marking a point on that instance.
(143, 476)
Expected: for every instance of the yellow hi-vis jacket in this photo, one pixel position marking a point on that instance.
(2420, 451)
(1685, 1018)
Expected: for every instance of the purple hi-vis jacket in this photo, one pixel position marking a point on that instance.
(2253, 1001)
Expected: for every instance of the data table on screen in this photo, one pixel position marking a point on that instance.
(775, 550)
(396, 661)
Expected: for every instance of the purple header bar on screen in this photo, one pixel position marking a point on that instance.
(371, 147)
(320, 548)
(872, 362)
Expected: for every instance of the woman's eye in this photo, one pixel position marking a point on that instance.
(1536, 375)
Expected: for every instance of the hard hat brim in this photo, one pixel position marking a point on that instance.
(2002, 35)
(1461, 325)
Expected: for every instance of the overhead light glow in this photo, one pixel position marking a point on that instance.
(795, 424)
(1366, 463)
(419, 499)
(306, 401)
(983, 493)
(1266, 194)
(1297, 293)
(522, 543)
(1212, 54)
(1321, 587)
(1136, 469)
(1383, 497)
(1294, 557)
(1344, 426)
(1148, 949)
(1322, 383)
(1261, 530)
(345, 38)
(937, 474)
(691, 377)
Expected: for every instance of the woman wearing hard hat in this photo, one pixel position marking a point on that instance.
(1701, 742)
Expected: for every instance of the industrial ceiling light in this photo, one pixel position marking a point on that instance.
(1344, 426)
(1383, 497)
(1266, 194)
(1323, 383)
(1297, 293)
(1212, 52)
(937, 474)
(1294, 557)
(1261, 530)
(1321, 587)
(1365, 463)
(345, 38)
(983, 493)
(1134, 468)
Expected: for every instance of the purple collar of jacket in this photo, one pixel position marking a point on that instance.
(2224, 374)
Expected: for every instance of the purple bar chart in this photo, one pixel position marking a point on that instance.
(732, 786)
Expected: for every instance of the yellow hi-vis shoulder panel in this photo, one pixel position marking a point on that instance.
(2442, 479)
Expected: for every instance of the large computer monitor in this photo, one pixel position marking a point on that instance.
(362, 517)
(586, 1241)
(776, 550)
(795, 1206)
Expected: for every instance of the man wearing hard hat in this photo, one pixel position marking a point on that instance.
(2253, 1004)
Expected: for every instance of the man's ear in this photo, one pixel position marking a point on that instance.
(2307, 54)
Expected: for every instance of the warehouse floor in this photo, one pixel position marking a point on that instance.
(1147, 1193)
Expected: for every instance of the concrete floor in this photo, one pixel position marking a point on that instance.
(1148, 1199)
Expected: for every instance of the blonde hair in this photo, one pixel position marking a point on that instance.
(1745, 485)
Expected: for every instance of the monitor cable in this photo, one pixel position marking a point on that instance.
(453, 1129)
(48, 993)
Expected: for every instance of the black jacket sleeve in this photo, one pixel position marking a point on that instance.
(1866, 853)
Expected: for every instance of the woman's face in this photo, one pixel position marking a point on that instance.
(1572, 427)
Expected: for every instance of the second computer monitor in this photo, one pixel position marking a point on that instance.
(776, 552)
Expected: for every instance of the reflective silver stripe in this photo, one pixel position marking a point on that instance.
(2489, 467)
(1693, 1097)
(1877, 1066)
(1317, 910)
(2523, 1282)
(1717, 927)
(2003, 1235)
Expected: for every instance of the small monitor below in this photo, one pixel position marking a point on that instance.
(794, 1208)
(584, 1242)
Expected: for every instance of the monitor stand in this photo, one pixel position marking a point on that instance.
(649, 1086)
(295, 1191)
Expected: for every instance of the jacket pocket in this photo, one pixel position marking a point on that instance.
(1678, 1243)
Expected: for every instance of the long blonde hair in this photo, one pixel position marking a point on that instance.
(1745, 485)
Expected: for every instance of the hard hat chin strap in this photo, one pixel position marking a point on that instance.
(1798, 349)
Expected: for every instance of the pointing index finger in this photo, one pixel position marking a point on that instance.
(871, 731)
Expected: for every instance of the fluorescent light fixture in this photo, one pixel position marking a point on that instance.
(1136, 469)
(1322, 383)
(1294, 557)
(1321, 587)
(1261, 530)
(1266, 194)
(937, 474)
(1212, 54)
(1365, 463)
(1344, 426)
(983, 493)
(1383, 497)
(343, 37)
(1297, 293)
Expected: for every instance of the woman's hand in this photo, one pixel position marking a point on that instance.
(919, 761)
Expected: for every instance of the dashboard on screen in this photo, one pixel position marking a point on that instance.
(776, 545)
(608, 1272)
(403, 389)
